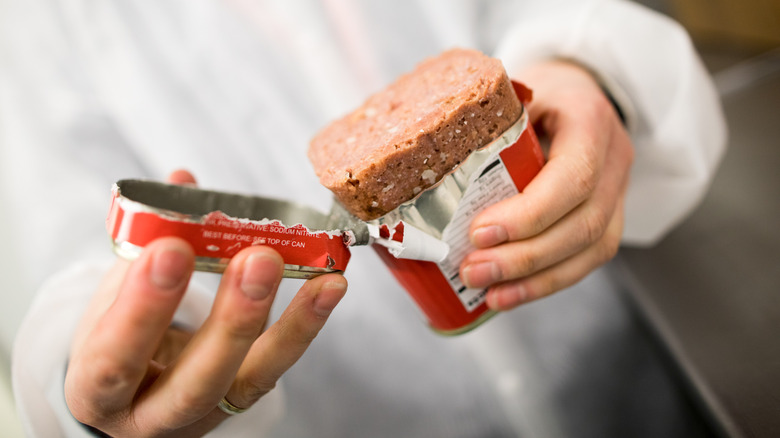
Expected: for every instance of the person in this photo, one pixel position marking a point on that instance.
(232, 91)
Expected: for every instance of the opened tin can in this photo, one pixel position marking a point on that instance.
(422, 242)
(497, 171)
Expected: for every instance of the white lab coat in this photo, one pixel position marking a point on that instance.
(232, 90)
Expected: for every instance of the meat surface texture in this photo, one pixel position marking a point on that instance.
(407, 137)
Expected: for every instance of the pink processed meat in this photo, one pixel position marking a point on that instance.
(408, 136)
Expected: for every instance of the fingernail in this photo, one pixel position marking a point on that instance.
(260, 275)
(332, 292)
(169, 268)
(481, 274)
(490, 235)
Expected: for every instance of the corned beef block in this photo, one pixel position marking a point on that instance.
(405, 138)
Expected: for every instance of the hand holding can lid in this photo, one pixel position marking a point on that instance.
(128, 361)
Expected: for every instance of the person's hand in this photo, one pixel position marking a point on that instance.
(568, 221)
(132, 374)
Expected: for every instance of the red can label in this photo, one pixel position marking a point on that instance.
(216, 237)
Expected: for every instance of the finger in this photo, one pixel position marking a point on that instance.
(583, 226)
(513, 260)
(576, 158)
(113, 359)
(560, 276)
(102, 299)
(182, 177)
(109, 287)
(202, 374)
(287, 339)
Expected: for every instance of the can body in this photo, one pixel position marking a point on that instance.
(450, 307)
(427, 236)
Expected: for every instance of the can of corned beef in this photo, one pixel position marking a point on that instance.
(444, 212)
(218, 225)
(458, 170)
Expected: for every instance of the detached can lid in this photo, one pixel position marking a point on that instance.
(218, 225)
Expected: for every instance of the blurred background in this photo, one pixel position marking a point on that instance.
(710, 292)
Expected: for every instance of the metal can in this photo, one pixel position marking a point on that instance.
(422, 242)
(495, 172)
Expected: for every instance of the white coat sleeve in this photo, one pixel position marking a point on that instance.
(648, 62)
(59, 152)
(42, 346)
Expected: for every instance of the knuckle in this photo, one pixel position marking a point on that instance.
(302, 334)
(186, 404)
(538, 223)
(251, 391)
(522, 263)
(529, 222)
(241, 326)
(609, 247)
(586, 172)
(108, 376)
(297, 332)
(595, 224)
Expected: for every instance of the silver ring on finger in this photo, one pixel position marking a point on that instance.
(229, 408)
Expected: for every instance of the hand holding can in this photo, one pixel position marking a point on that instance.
(569, 219)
